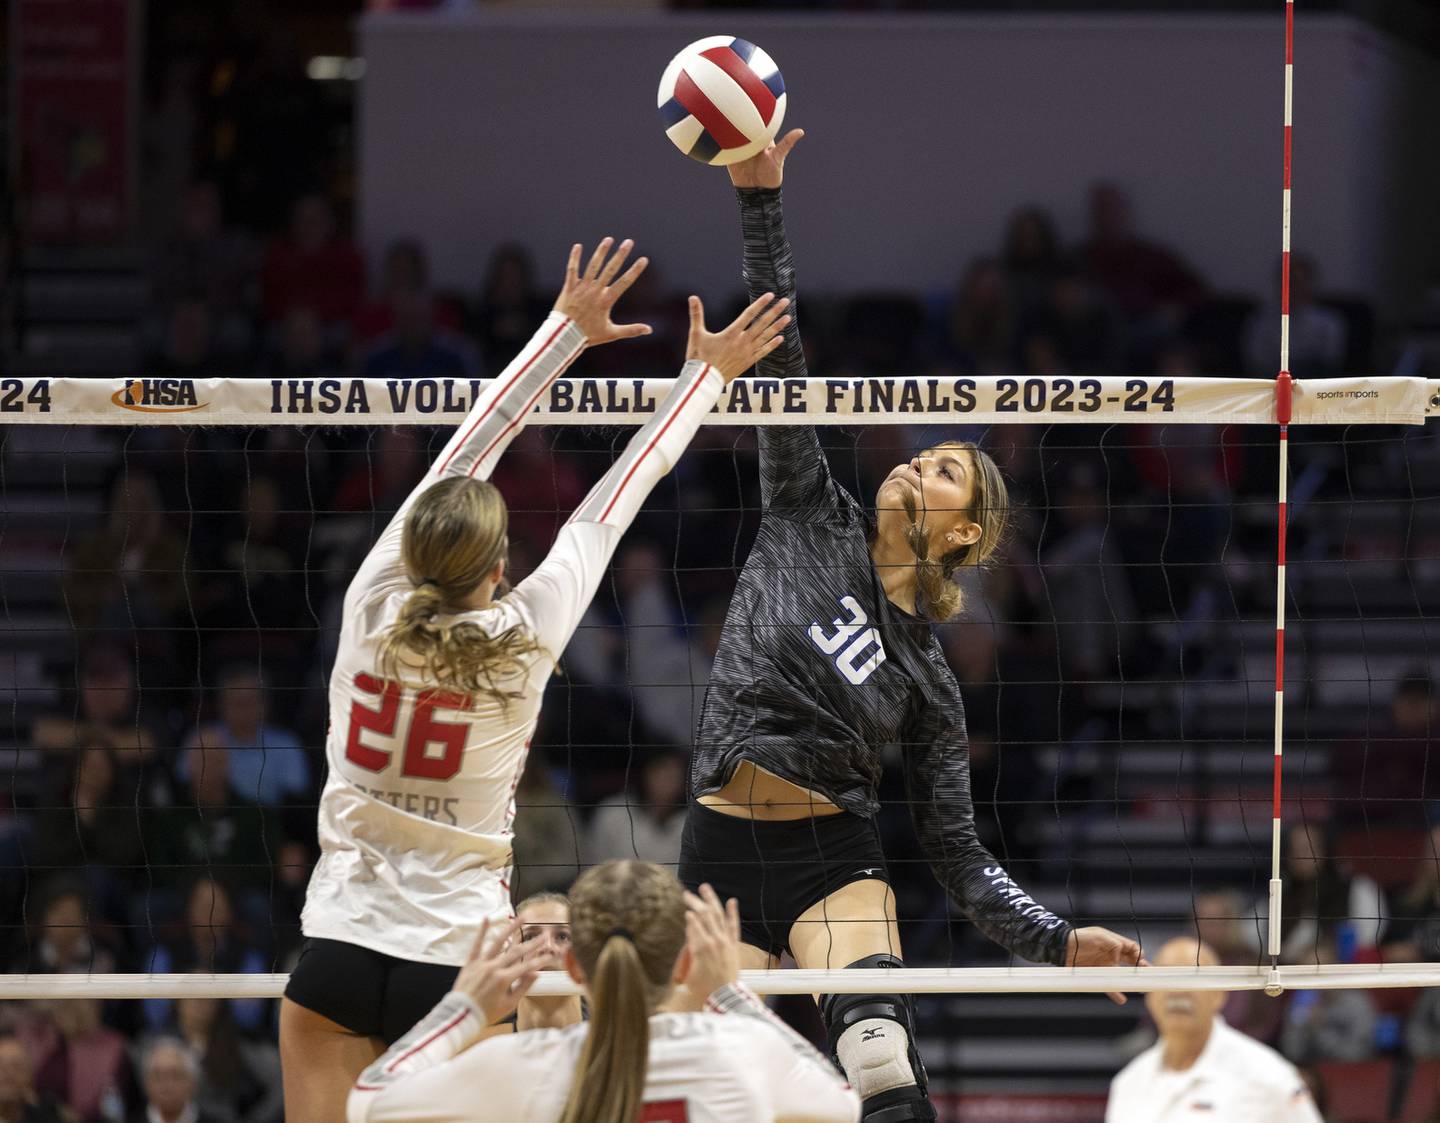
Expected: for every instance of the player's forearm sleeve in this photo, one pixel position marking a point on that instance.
(769, 266)
(555, 596)
(937, 767)
(448, 1030)
(807, 1087)
(653, 451)
(500, 412)
(497, 416)
(794, 474)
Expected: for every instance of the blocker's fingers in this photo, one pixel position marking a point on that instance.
(617, 259)
(480, 939)
(572, 267)
(597, 258)
(770, 345)
(732, 916)
(1117, 998)
(774, 329)
(753, 310)
(503, 940)
(769, 315)
(514, 952)
(628, 278)
(697, 325)
(631, 331)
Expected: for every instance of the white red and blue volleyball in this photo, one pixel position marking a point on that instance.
(721, 100)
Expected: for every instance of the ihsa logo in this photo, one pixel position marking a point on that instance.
(158, 395)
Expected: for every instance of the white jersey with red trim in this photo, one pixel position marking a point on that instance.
(735, 1064)
(415, 819)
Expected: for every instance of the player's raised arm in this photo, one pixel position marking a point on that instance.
(556, 594)
(794, 474)
(581, 318)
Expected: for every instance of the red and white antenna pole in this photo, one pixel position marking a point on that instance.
(1283, 390)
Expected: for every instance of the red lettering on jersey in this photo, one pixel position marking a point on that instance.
(666, 1111)
(381, 721)
(426, 731)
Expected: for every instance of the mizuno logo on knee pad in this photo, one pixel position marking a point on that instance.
(875, 1056)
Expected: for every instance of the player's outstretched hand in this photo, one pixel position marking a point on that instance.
(499, 973)
(712, 933)
(589, 297)
(767, 168)
(1100, 947)
(755, 333)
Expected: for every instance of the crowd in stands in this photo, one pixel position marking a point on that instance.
(168, 822)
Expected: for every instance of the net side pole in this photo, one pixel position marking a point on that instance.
(1283, 399)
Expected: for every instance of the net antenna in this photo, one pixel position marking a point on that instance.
(1283, 399)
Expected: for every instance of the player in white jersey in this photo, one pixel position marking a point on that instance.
(436, 691)
(635, 936)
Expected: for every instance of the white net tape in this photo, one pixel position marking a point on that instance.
(911, 980)
(749, 401)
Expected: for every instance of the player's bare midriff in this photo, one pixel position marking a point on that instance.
(753, 793)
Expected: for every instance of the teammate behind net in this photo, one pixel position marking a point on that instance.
(635, 938)
(436, 691)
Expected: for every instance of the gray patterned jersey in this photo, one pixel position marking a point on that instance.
(817, 671)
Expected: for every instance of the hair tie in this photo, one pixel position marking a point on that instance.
(429, 581)
(623, 933)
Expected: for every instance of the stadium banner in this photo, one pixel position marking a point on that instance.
(76, 73)
(1106, 399)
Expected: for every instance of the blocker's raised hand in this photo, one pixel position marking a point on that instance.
(754, 334)
(589, 297)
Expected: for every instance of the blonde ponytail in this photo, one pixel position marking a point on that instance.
(627, 929)
(454, 536)
(610, 1078)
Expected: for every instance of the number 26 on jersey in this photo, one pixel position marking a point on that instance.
(430, 748)
(853, 645)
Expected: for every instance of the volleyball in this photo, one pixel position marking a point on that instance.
(721, 100)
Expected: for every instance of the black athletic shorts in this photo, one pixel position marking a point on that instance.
(367, 992)
(777, 870)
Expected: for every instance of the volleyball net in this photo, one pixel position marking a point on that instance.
(173, 553)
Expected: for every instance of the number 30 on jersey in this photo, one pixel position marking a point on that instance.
(855, 648)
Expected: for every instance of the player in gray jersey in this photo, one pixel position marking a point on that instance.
(826, 657)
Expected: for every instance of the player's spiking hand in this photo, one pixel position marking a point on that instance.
(588, 298)
(767, 168)
(732, 351)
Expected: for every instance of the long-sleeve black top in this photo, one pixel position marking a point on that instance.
(817, 671)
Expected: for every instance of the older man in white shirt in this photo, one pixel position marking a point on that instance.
(171, 1075)
(1201, 1068)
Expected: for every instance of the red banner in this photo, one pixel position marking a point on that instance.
(75, 64)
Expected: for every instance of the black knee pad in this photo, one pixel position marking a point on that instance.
(841, 1011)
